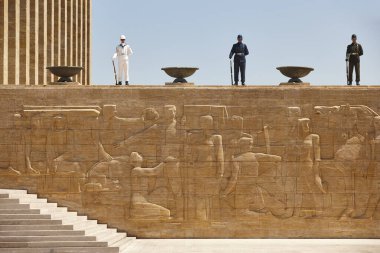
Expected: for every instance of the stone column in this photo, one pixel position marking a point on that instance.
(3, 18)
(5, 42)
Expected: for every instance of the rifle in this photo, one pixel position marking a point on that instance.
(232, 75)
(348, 68)
(114, 71)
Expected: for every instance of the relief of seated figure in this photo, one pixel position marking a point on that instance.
(141, 208)
(255, 186)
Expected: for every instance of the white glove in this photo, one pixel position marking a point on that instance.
(114, 57)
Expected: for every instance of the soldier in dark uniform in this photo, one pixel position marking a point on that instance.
(240, 50)
(354, 51)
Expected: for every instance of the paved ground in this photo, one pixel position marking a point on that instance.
(255, 246)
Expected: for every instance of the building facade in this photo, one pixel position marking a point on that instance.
(35, 34)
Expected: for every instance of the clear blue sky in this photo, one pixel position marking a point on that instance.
(200, 33)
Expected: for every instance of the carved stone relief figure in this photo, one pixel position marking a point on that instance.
(57, 141)
(172, 147)
(326, 122)
(207, 160)
(35, 145)
(348, 161)
(253, 193)
(84, 146)
(63, 176)
(375, 143)
(138, 141)
(294, 113)
(105, 175)
(309, 183)
(114, 129)
(171, 133)
(231, 136)
(373, 174)
(17, 163)
(141, 208)
(193, 114)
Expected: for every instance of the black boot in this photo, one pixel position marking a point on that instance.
(119, 83)
(349, 83)
(243, 84)
(357, 83)
(126, 83)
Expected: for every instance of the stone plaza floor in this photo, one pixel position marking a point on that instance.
(254, 246)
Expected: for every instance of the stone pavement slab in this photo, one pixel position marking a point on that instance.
(256, 246)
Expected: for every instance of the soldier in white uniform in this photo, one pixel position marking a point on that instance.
(123, 51)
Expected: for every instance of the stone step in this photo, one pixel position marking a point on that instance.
(30, 222)
(9, 201)
(24, 216)
(52, 244)
(113, 238)
(19, 211)
(22, 196)
(9, 191)
(70, 219)
(34, 227)
(102, 234)
(42, 205)
(15, 206)
(83, 225)
(60, 238)
(61, 250)
(61, 215)
(38, 203)
(42, 233)
(50, 210)
(33, 200)
(95, 229)
(86, 250)
(123, 244)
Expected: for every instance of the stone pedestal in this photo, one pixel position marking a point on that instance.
(179, 84)
(65, 83)
(295, 84)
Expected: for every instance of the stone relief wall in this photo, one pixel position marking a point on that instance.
(179, 167)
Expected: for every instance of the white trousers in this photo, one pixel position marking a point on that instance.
(123, 69)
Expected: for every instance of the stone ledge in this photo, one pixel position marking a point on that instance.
(216, 87)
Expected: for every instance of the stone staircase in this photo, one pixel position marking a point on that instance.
(32, 225)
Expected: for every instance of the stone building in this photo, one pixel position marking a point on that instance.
(35, 34)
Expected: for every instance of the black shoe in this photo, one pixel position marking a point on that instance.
(126, 83)
(357, 83)
(119, 83)
(236, 84)
(349, 83)
(243, 84)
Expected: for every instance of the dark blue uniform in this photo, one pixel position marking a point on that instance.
(353, 53)
(240, 50)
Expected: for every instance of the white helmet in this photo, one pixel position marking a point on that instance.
(122, 37)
